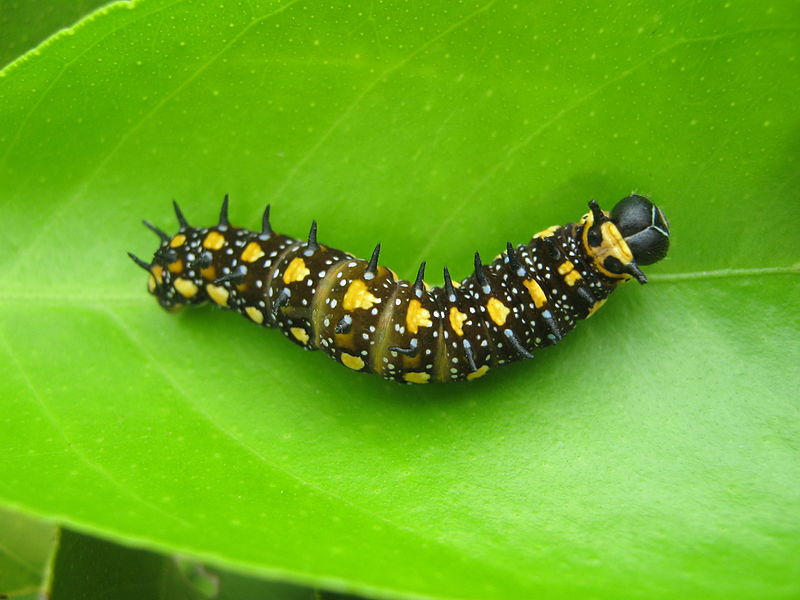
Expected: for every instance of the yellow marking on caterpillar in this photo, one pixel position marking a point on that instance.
(300, 334)
(456, 284)
(218, 294)
(457, 319)
(354, 362)
(565, 267)
(176, 267)
(156, 277)
(296, 271)
(158, 273)
(255, 314)
(611, 244)
(497, 311)
(177, 241)
(568, 272)
(252, 252)
(595, 307)
(536, 292)
(417, 377)
(358, 296)
(186, 287)
(214, 240)
(479, 373)
(346, 340)
(417, 316)
(209, 273)
(546, 233)
(572, 277)
(610, 232)
(411, 362)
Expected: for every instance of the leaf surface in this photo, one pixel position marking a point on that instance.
(25, 550)
(651, 454)
(87, 567)
(26, 24)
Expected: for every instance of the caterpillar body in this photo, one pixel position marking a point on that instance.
(362, 316)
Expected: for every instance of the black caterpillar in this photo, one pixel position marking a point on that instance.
(357, 312)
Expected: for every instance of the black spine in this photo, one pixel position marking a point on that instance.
(512, 257)
(419, 283)
(449, 289)
(372, 267)
(164, 237)
(312, 238)
(223, 213)
(480, 276)
(181, 219)
(140, 262)
(266, 228)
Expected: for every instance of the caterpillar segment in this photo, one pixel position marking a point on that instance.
(356, 311)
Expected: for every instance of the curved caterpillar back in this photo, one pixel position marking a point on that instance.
(357, 312)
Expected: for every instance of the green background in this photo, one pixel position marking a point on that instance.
(652, 454)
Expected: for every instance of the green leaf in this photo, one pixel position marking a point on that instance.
(25, 548)
(651, 454)
(86, 567)
(26, 24)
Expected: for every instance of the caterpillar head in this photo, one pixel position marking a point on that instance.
(635, 233)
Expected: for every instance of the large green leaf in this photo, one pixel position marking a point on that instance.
(25, 552)
(652, 454)
(88, 568)
(39, 561)
(26, 24)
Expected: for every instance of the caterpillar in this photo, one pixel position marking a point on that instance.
(361, 315)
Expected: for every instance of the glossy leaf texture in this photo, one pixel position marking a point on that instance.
(27, 24)
(651, 454)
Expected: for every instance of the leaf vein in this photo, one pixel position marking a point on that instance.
(457, 210)
(82, 456)
(46, 92)
(68, 203)
(722, 273)
(382, 76)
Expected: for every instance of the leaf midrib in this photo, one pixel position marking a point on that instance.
(73, 296)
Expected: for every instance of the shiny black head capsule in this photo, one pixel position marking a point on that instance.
(644, 227)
